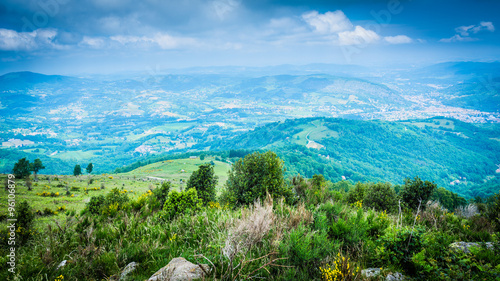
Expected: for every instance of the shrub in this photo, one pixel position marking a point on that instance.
(181, 202)
(204, 181)
(357, 193)
(95, 204)
(316, 193)
(416, 192)
(25, 218)
(305, 249)
(161, 193)
(255, 175)
(398, 245)
(380, 196)
(300, 186)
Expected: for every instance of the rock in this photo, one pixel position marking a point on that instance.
(127, 270)
(179, 269)
(465, 246)
(61, 265)
(395, 277)
(370, 272)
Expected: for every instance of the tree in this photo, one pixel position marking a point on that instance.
(381, 197)
(416, 192)
(204, 181)
(77, 170)
(90, 167)
(36, 166)
(22, 168)
(255, 175)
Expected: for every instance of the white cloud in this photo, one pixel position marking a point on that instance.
(93, 42)
(463, 32)
(358, 36)
(11, 40)
(162, 40)
(329, 22)
(458, 38)
(399, 39)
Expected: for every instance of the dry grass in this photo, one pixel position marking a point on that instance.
(467, 211)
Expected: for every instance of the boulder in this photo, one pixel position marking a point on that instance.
(465, 246)
(370, 272)
(179, 269)
(395, 277)
(127, 270)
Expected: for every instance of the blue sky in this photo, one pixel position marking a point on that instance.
(106, 36)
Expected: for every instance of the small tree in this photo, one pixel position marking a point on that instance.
(22, 168)
(416, 192)
(255, 175)
(89, 168)
(36, 166)
(204, 181)
(77, 170)
(381, 197)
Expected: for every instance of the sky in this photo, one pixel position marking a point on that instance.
(111, 36)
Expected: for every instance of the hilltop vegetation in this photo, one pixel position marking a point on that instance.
(324, 231)
(459, 156)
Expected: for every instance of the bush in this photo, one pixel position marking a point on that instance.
(357, 193)
(255, 175)
(416, 192)
(204, 181)
(25, 218)
(181, 202)
(398, 245)
(95, 204)
(161, 193)
(305, 249)
(381, 197)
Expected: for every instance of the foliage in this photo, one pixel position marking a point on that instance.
(357, 193)
(448, 199)
(89, 168)
(22, 168)
(204, 181)
(381, 196)
(179, 203)
(77, 170)
(398, 245)
(161, 193)
(493, 211)
(25, 220)
(36, 166)
(255, 175)
(416, 192)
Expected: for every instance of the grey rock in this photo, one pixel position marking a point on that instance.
(179, 269)
(370, 272)
(127, 270)
(465, 246)
(395, 277)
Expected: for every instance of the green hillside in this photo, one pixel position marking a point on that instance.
(180, 169)
(459, 156)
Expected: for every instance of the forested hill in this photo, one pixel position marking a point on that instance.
(459, 156)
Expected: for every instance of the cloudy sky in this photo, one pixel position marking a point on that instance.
(106, 36)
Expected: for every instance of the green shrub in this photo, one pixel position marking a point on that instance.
(161, 193)
(357, 193)
(256, 175)
(204, 181)
(181, 202)
(95, 204)
(381, 197)
(416, 192)
(305, 249)
(397, 247)
(25, 218)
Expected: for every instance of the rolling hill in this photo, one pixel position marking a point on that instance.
(459, 156)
